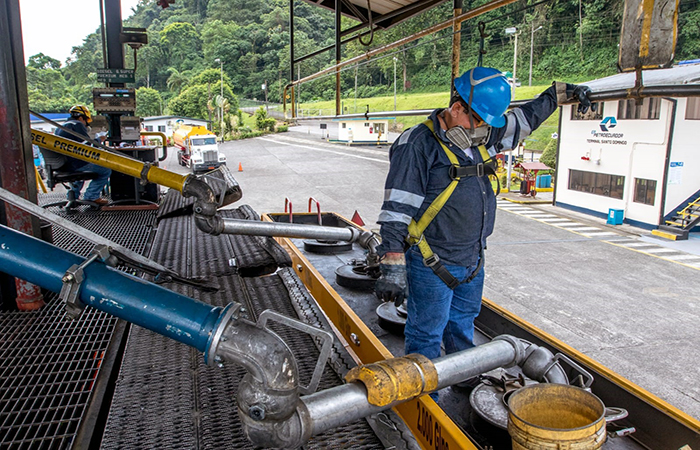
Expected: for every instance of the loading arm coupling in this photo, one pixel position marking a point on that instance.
(205, 206)
(396, 379)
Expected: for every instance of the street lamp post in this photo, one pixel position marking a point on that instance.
(394, 83)
(222, 96)
(264, 88)
(515, 32)
(532, 41)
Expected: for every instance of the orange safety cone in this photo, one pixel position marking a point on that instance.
(356, 219)
(240, 167)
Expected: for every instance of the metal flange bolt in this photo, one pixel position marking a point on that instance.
(256, 412)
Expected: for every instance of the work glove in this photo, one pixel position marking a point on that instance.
(392, 285)
(567, 92)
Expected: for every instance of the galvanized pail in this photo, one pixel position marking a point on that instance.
(557, 417)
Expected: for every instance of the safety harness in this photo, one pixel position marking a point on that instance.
(416, 229)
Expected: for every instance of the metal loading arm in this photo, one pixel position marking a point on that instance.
(366, 239)
(271, 409)
(206, 202)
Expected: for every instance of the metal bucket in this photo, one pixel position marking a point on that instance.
(555, 416)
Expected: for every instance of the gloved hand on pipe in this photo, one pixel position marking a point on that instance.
(392, 285)
(567, 92)
(581, 93)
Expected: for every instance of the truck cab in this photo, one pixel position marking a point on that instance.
(198, 149)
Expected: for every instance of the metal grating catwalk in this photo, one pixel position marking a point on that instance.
(166, 397)
(51, 367)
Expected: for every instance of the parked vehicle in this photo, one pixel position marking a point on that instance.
(198, 148)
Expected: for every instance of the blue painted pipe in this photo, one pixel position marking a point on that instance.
(133, 299)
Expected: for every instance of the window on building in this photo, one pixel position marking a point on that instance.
(603, 184)
(648, 109)
(379, 127)
(692, 108)
(590, 114)
(161, 128)
(644, 191)
(149, 127)
(366, 125)
(344, 124)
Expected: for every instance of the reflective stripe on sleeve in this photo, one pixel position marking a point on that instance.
(404, 197)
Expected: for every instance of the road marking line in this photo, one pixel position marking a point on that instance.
(586, 229)
(602, 233)
(683, 257)
(661, 250)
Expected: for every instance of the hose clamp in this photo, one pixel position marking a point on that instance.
(73, 280)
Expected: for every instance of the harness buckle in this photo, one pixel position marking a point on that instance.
(480, 170)
(453, 171)
(431, 260)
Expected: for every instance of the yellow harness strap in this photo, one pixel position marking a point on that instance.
(416, 229)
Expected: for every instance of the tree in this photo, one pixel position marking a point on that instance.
(148, 102)
(182, 44)
(41, 61)
(549, 155)
(177, 80)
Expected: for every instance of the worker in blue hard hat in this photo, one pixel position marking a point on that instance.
(439, 206)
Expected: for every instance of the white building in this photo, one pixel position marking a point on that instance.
(363, 131)
(168, 124)
(643, 159)
(38, 124)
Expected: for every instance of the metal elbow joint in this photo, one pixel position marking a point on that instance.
(268, 395)
(536, 362)
(370, 241)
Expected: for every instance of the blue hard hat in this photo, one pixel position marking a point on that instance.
(491, 93)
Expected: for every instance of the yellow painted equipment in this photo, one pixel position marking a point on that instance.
(118, 163)
(395, 379)
(555, 416)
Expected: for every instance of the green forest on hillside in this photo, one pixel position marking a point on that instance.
(177, 72)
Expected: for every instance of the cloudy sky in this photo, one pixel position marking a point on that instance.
(55, 27)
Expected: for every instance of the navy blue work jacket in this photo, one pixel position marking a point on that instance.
(419, 172)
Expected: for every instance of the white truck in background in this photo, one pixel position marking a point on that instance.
(198, 148)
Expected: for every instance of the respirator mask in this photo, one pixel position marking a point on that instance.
(464, 138)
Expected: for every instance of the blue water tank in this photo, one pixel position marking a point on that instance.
(615, 216)
(543, 181)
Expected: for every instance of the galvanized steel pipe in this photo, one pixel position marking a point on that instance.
(347, 403)
(292, 230)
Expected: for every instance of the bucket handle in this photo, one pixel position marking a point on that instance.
(613, 413)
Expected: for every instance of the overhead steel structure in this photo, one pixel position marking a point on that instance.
(376, 15)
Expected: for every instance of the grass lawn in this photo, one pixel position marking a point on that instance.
(404, 102)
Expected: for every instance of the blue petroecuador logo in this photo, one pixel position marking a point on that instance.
(605, 136)
(607, 123)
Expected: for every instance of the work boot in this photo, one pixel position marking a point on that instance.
(100, 201)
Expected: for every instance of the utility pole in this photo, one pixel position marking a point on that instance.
(221, 100)
(394, 83)
(532, 46)
(515, 32)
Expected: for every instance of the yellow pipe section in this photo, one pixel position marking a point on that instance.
(103, 158)
(395, 379)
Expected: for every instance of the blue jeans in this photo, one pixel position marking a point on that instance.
(438, 314)
(94, 189)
